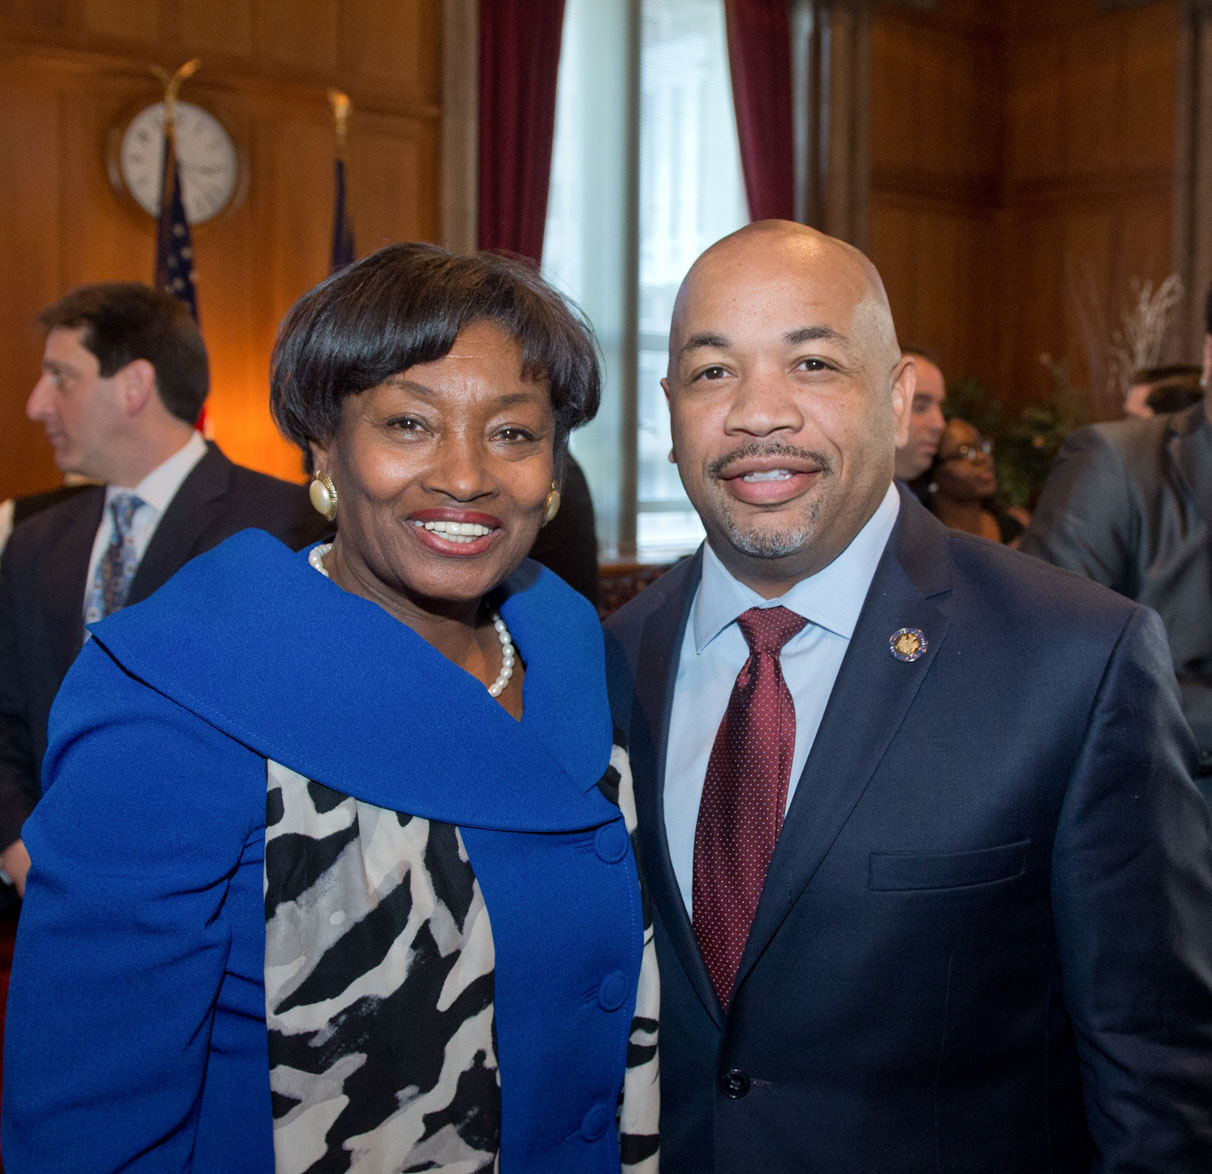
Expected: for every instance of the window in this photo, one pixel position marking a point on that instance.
(646, 174)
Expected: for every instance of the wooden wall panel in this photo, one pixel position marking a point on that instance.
(71, 71)
(1035, 126)
(137, 22)
(299, 33)
(1060, 161)
(1089, 168)
(32, 265)
(925, 254)
(937, 118)
(390, 44)
(937, 144)
(226, 29)
(1090, 93)
(392, 158)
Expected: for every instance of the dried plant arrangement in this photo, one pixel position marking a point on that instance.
(1137, 341)
(1116, 346)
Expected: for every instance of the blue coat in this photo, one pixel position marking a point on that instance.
(136, 1031)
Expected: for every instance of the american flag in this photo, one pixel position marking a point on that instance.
(174, 245)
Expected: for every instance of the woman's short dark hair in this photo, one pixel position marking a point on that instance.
(405, 305)
(125, 320)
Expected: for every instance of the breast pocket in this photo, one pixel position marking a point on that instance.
(889, 871)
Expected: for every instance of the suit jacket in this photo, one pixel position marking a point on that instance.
(30, 504)
(1129, 504)
(43, 581)
(984, 941)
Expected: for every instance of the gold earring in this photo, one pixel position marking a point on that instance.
(551, 504)
(323, 494)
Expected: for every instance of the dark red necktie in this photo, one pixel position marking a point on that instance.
(744, 796)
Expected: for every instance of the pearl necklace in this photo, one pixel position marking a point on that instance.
(508, 653)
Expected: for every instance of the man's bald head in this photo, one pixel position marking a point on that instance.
(787, 395)
(799, 248)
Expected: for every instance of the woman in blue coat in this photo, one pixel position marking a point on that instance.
(332, 872)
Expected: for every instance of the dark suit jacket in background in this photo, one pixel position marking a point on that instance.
(1129, 504)
(42, 589)
(31, 503)
(984, 945)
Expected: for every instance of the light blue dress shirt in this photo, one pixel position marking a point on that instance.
(713, 651)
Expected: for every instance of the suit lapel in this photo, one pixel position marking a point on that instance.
(866, 708)
(175, 540)
(1188, 447)
(655, 675)
(69, 556)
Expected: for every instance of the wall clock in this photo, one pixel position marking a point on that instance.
(206, 155)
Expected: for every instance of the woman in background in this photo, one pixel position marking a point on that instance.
(961, 487)
(331, 873)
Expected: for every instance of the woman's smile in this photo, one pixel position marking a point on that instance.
(455, 533)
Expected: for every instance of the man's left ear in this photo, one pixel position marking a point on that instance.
(137, 383)
(904, 381)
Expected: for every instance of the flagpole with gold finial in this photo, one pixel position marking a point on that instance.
(172, 83)
(174, 270)
(339, 101)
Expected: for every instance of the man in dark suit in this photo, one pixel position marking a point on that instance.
(124, 377)
(979, 940)
(1129, 505)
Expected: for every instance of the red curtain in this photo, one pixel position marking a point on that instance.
(519, 57)
(759, 56)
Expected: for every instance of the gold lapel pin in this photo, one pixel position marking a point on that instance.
(908, 644)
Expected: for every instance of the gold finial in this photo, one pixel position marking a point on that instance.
(339, 101)
(172, 83)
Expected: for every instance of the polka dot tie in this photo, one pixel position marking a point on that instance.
(744, 795)
(118, 563)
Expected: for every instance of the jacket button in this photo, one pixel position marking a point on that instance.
(612, 994)
(610, 842)
(734, 1083)
(595, 1123)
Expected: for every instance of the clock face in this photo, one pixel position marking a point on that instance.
(206, 157)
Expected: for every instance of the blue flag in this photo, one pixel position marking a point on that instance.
(174, 245)
(342, 226)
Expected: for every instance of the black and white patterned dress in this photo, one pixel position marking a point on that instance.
(379, 991)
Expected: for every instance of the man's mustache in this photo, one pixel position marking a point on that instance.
(721, 465)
